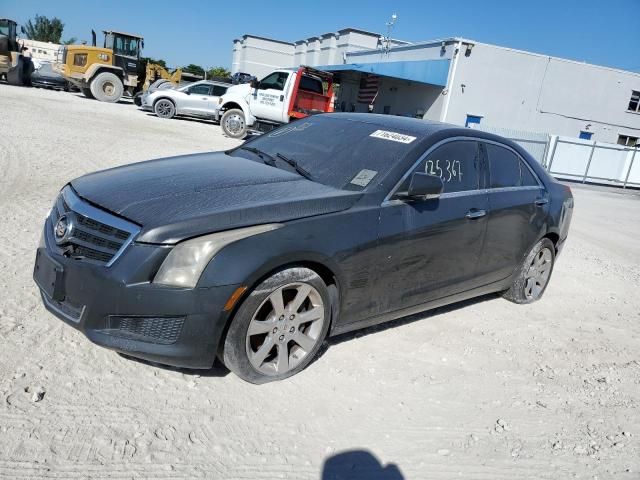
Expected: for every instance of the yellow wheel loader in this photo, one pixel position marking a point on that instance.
(103, 73)
(14, 66)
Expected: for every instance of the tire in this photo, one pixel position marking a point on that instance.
(534, 274)
(164, 108)
(107, 87)
(289, 315)
(15, 76)
(87, 93)
(233, 123)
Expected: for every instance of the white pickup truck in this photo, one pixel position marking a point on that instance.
(280, 97)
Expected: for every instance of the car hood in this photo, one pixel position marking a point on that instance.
(181, 197)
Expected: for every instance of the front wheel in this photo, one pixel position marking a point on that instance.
(533, 276)
(279, 327)
(164, 108)
(233, 123)
(107, 87)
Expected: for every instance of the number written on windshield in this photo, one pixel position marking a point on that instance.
(447, 170)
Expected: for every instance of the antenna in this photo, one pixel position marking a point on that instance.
(390, 24)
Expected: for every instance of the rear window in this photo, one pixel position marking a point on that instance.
(341, 153)
(311, 84)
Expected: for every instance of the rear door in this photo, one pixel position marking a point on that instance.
(432, 247)
(518, 205)
(268, 101)
(197, 101)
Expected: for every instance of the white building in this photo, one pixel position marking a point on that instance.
(463, 82)
(45, 51)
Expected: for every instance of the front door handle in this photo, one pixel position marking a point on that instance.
(282, 98)
(541, 201)
(473, 214)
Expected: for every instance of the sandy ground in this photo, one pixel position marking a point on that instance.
(484, 390)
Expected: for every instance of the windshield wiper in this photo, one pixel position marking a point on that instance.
(264, 156)
(291, 162)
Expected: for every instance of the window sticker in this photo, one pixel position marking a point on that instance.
(364, 177)
(392, 136)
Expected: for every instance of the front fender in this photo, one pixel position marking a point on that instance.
(229, 100)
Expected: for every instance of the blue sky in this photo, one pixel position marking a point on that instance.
(201, 32)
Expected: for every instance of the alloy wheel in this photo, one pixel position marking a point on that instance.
(538, 274)
(285, 328)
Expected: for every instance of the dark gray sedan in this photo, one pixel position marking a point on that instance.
(329, 224)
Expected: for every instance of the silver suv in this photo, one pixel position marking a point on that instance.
(199, 99)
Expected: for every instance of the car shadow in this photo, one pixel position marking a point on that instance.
(345, 337)
(189, 119)
(217, 370)
(358, 465)
(123, 101)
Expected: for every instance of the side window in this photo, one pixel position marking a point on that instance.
(274, 81)
(528, 180)
(457, 163)
(504, 167)
(200, 89)
(219, 90)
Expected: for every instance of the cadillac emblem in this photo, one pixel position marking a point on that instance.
(62, 229)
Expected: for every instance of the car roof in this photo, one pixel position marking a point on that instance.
(420, 127)
(211, 82)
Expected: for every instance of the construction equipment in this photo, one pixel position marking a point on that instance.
(13, 64)
(154, 72)
(104, 73)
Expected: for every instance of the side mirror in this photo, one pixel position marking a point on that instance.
(424, 186)
(187, 92)
(254, 83)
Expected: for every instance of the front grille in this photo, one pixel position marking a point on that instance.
(163, 330)
(95, 236)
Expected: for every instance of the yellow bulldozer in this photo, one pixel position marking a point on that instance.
(14, 66)
(106, 73)
(103, 73)
(160, 77)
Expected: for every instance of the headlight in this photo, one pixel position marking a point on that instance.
(186, 262)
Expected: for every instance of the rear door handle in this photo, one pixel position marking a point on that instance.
(541, 201)
(473, 214)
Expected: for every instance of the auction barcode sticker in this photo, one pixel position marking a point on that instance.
(393, 136)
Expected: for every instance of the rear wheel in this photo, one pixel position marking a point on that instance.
(279, 327)
(107, 87)
(233, 123)
(87, 93)
(534, 274)
(164, 108)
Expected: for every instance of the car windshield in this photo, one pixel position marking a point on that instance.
(339, 152)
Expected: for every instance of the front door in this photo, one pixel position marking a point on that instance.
(198, 99)
(432, 247)
(267, 102)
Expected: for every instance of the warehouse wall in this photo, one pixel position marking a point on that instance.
(259, 56)
(527, 91)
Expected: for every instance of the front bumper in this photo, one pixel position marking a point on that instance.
(119, 308)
